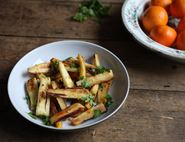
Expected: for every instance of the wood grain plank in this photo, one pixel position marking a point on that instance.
(53, 19)
(146, 69)
(147, 116)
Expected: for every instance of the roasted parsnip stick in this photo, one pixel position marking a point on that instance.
(87, 114)
(32, 89)
(99, 78)
(60, 100)
(96, 60)
(43, 101)
(82, 66)
(39, 68)
(103, 90)
(74, 108)
(69, 93)
(68, 83)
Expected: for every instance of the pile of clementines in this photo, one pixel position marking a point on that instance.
(155, 22)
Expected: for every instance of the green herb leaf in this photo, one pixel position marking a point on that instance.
(74, 65)
(85, 84)
(109, 100)
(91, 8)
(81, 77)
(108, 104)
(97, 113)
(101, 69)
(69, 58)
(84, 9)
(80, 17)
(104, 11)
(89, 99)
(108, 96)
(54, 66)
(46, 120)
(32, 115)
(98, 70)
(92, 13)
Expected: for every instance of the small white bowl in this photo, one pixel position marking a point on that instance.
(131, 12)
(62, 50)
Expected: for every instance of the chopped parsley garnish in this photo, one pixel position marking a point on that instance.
(54, 66)
(98, 70)
(91, 8)
(97, 113)
(74, 65)
(108, 96)
(69, 58)
(101, 69)
(85, 84)
(32, 115)
(109, 100)
(89, 99)
(46, 120)
(81, 77)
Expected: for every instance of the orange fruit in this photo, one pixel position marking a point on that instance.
(181, 25)
(180, 43)
(162, 3)
(164, 35)
(177, 8)
(154, 16)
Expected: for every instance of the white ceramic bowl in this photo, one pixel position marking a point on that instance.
(131, 12)
(63, 50)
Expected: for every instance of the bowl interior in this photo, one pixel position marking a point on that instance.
(63, 50)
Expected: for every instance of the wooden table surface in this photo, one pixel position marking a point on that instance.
(155, 108)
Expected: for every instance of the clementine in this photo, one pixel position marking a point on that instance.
(180, 43)
(154, 16)
(164, 35)
(177, 8)
(162, 3)
(181, 25)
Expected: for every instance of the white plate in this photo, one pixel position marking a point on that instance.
(131, 12)
(63, 50)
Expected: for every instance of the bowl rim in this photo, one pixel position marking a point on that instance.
(82, 127)
(177, 54)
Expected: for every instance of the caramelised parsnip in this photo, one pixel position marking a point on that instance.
(73, 60)
(82, 70)
(61, 103)
(68, 83)
(95, 87)
(60, 100)
(76, 93)
(97, 79)
(103, 89)
(45, 68)
(94, 90)
(39, 68)
(96, 60)
(70, 88)
(69, 111)
(32, 90)
(43, 101)
(88, 114)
